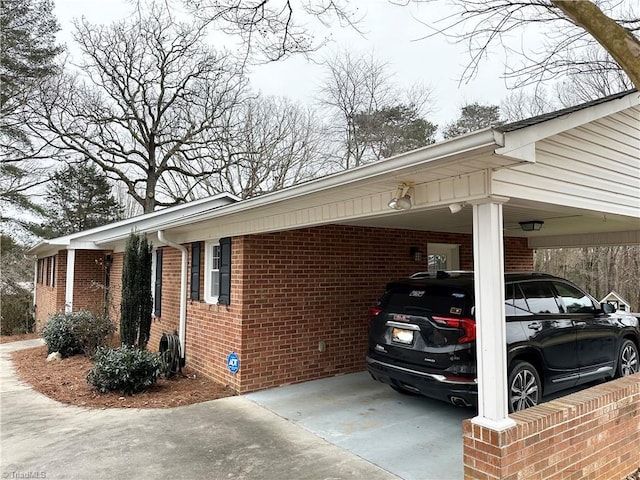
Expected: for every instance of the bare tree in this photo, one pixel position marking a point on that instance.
(274, 29)
(275, 26)
(354, 85)
(571, 26)
(521, 104)
(148, 97)
(358, 92)
(269, 143)
(595, 75)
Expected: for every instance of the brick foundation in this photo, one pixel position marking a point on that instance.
(589, 435)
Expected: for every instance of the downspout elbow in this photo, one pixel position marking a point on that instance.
(183, 288)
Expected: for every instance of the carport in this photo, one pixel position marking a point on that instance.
(575, 170)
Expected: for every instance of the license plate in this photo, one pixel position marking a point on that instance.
(402, 336)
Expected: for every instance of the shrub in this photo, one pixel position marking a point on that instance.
(92, 331)
(127, 370)
(76, 332)
(58, 335)
(16, 315)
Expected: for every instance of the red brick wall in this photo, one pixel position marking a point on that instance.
(592, 434)
(289, 291)
(50, 300)
(88, 283)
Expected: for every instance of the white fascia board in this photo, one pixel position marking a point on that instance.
(520, 144)
(90, 239)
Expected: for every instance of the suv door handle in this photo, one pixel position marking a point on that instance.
(537, 326)
(580, 324)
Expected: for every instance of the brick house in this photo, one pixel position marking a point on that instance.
(285, 280)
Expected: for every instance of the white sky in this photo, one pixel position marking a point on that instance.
(391, 34)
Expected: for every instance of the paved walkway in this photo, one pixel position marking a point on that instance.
(231, 438)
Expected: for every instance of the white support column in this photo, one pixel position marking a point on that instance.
(488, 262)
(71, 267)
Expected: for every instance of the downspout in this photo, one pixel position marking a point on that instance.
(183, 289)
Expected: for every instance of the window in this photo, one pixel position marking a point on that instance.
(573, 299)
(53, 270)
(515, 303)
(540, 297)
(217, 279)
(443, 256)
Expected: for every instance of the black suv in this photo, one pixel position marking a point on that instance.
(422, 337)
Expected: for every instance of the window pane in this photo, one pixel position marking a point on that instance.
(540, 297)
(214, 272)
(516, 305)
(437, 262)
(215, 283)
(574, 300)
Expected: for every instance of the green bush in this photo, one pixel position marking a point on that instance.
(76, 332)
(16, 314)
(127, 370)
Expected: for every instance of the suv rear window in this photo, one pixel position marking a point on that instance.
(439, 300)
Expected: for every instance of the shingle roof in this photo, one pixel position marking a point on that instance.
(510, 127)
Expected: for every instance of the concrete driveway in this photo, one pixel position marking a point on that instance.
(338, 428)
(412, 437)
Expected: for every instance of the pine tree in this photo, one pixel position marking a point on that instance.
(79, 198)
(136, 304)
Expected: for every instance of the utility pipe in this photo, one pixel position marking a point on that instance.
(183, 289)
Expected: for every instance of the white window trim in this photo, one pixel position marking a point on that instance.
(208, 298)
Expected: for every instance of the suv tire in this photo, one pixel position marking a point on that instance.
(525, 388)
(628, 359)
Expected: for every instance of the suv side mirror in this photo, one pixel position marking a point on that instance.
(607, 307)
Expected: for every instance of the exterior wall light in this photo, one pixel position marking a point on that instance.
(531, 225)
(455, 207)
(402, 199)
(415, 253)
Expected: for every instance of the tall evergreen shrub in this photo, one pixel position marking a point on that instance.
(136, 306)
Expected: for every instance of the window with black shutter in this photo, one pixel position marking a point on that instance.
(225, 271)
(195, 270)
(157, 298)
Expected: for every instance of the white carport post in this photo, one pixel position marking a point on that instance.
(71, 267)
(488, 263)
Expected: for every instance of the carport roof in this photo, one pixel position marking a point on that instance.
(359, 196)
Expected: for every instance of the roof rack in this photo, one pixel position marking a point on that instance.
(440, 274)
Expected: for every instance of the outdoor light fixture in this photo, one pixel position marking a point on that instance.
(531, 225)
(402, 200)
(415, 253)
(455, 207)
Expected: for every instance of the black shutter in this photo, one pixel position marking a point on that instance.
(157, 307)
(225, 271)
(195, 271)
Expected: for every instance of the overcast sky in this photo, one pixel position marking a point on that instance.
(390, 32)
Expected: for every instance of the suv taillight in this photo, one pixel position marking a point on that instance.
(373, 312)
(465, 324)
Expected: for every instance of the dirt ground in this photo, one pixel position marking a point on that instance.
(65, 381)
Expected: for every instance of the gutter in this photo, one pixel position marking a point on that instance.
(436, 154)
(183, 290)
